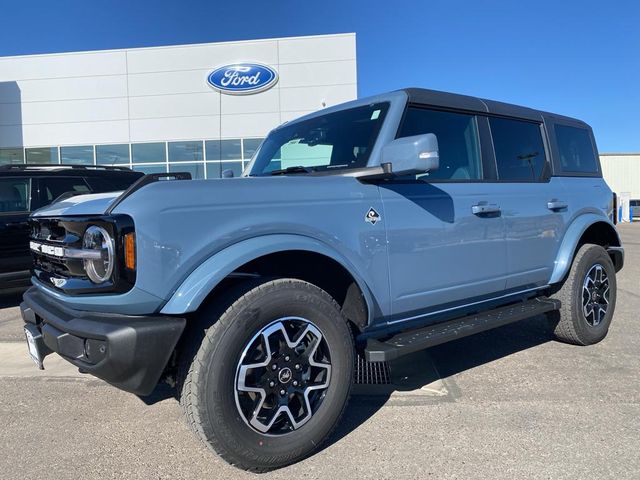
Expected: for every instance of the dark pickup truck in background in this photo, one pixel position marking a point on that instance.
(25, 188)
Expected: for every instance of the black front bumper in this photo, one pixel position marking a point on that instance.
(129, 352)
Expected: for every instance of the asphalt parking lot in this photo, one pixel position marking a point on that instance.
(510, 403)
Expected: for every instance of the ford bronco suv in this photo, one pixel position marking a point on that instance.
(383, 226)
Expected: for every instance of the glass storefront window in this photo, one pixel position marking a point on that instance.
(185, 151)
(42, 155)
(112, 154)
(250, 145)
(147, 169)
(195, 169)
(148, 152)
(224, 149)
(11, 155)
(214, 170)
(77, 155)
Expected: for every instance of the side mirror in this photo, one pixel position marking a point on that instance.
(227, 173)
(417, 154)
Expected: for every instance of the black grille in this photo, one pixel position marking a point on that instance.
(68, 274)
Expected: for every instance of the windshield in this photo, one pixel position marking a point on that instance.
(334, 141)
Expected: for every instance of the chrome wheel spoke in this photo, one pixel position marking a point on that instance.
(282, 376)
(595, 295)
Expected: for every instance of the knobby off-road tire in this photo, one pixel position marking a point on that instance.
(588, 298)
(218, 383)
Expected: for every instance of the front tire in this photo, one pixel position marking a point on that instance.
(272, 376)
(588, 298)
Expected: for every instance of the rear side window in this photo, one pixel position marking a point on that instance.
(575, 149)
(54, 187)
(458, 145)
(519, 150)
(15, 194)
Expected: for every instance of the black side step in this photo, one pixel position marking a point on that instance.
(414, 340)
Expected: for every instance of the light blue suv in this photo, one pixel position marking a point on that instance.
(382, 226)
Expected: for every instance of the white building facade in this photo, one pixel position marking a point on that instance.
(155, 109)
(622, 172)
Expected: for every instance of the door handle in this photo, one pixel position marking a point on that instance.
(556, 205)
(17, 224)
(485, 209)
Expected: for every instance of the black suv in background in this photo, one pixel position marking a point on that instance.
(25, 188)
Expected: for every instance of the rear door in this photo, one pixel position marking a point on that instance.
(445, 232)
(534, 204)
(15, 199)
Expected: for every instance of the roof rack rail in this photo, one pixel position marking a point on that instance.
(61, 166)
(146, 180)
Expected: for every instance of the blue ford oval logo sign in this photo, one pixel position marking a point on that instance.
(243, 78)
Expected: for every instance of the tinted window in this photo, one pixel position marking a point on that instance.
(76, 155)
(148, 152)
(458, 145)
(576, 150)
(519, 149)
(14, 194)
(112, 183)
(185, 151)
(42, 155)
(112, 154)
(223, 150)
(54, 187)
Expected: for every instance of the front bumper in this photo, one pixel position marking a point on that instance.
(129, 352)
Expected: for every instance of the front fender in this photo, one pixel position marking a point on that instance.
(194, 289)
(570, 242)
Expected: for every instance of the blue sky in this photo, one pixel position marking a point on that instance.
(579, 58)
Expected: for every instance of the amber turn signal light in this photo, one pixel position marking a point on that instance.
(130, 251)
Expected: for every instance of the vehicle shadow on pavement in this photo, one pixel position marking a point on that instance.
(450, 359)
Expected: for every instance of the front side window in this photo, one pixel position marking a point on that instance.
(458, 145)
(576, 150)
(15, 194)
(519, 150)
(334, 141)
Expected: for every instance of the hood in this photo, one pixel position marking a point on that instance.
(91, 204)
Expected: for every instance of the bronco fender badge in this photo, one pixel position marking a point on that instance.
(372, 216)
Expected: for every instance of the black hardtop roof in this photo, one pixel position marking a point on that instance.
(48, 170)
(436, 98)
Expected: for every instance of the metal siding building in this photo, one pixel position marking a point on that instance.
(152, 108)
(622, 172)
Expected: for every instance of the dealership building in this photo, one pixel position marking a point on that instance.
(199, 108)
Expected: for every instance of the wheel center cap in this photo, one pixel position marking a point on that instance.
(285, 375)
(594, 296)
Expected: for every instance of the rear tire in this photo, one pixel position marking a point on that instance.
(588, 298)
(258, 341)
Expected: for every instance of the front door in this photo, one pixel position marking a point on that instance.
(446, 235)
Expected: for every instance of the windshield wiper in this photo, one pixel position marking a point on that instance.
(294, 169)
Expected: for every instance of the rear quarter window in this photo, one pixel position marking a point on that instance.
(575, 150)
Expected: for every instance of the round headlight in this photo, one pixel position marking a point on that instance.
(97, 238)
